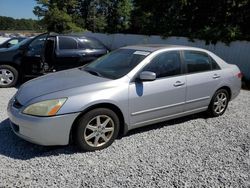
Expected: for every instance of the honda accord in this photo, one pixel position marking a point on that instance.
(129, 88)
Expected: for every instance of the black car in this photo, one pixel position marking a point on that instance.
(11, 42)
(46, 53)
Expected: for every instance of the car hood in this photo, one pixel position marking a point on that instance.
(3, 49)
(56, 82)
(7, 50)
(7, 55)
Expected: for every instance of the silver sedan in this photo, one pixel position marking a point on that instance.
(129, 88)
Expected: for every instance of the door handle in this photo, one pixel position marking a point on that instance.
(178, 83)
(216, 76)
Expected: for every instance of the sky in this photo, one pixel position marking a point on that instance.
(17, 8)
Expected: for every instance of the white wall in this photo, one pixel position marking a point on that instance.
(237, 52)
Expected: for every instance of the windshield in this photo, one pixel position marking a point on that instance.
(116, 64)
(16, 46)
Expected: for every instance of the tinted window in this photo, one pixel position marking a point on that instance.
(67, 43)
(36, 45)
(90, 44)
(215, 66)
(165, 64)
(197, 61)
(25, 41)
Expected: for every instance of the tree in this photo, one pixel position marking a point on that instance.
(57, 15)
(211, 20)
(96, 16)
(119, 15)
(8, 23)
(106, 15)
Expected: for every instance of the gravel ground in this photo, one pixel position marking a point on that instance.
(188, 152)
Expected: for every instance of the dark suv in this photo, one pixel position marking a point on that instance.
(46, 53)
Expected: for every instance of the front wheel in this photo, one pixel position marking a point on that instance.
(97, 129)
(8, 76)
(219, 103)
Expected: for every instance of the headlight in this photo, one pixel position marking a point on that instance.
(45, 108)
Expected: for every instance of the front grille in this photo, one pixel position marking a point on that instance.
(17, 104)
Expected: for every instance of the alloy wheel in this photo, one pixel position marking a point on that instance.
(220, 103)
(6, 77)
(99, 130)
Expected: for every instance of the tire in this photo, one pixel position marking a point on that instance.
(8, 76)
(219, 103)
(97, 129)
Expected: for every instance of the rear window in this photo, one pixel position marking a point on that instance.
(197, 61)
(90, 44)
(67, 43)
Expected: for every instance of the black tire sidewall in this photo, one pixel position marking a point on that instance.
(15, 73)
(84, 120)
(211, 106)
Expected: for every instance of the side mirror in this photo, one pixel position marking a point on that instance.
(147, 76)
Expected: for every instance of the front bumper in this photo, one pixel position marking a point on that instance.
(46, 131)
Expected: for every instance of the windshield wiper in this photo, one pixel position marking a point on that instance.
(93, 72)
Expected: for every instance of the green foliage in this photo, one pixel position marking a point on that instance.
(94, 15)
(57, 15)
(8, 23)
(211, 20)
(59, 21)
(119, 15)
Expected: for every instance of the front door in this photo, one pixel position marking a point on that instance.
(154, 101)
(32, 57)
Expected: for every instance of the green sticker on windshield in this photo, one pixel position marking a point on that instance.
(141, 53)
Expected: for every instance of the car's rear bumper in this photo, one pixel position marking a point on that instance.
(45, 131)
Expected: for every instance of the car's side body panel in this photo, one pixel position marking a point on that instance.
(153, 100)
(200, 88)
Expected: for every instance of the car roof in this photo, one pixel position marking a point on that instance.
(72, 35)
(155, 47)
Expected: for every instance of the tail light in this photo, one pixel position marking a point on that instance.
(240, 75)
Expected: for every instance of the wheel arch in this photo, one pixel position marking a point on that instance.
(15, 65)
(228, 89)
(123, 127)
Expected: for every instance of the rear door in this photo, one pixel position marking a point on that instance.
(203, 78)
(67, 53)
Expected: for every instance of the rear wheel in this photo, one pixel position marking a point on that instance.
(219, 103)
(97, 129)
(8, 76)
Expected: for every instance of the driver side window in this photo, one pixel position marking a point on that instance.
(36, 46)
(165, 64)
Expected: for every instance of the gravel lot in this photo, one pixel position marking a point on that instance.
(187, 152)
